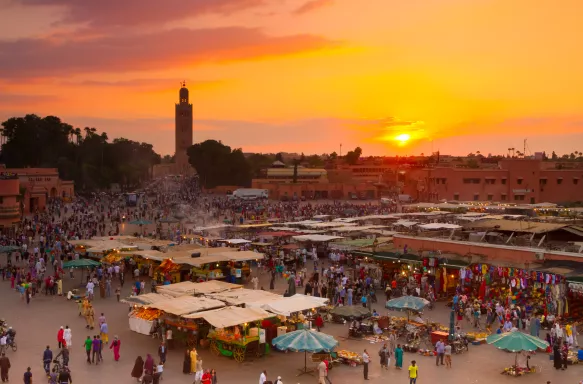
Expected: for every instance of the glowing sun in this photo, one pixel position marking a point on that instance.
(403, 138)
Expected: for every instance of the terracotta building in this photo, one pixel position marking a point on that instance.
(514, 180)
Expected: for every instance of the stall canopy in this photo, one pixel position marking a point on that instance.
(405, 223)
(198, 261)
(278, 234)
(187, 304)
(236, 241)
(288, 305)
(317, 238)
(439, 226)
(231, 316)
(178, 289)
(242, 255)
(146, 299)
(148, 255)
(250, 297)
(214, 286)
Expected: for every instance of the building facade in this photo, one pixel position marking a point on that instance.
(522, 181)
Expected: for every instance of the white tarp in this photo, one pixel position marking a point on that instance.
(288, 305)
(140, 325)
(236, 241)
(405, 223)
(242, 255)
(184, 305)
(246, 296)
(439, 226)
(231, 316)
(146, 299)
(316, 238)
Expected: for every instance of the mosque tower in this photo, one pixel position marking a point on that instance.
(183, 130)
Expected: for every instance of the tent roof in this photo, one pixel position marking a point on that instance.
(146, 299)
(230, 316)
(150, 254)
(187, 304)
(190, 288)
(439, 226)
(517, 226)
(288, 305)
(317, 238)
(251, 297)
(242, 255)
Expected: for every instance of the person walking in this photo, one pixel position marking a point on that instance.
(440, 349)
(4, 367)
(104, 332)
(95, 348)
(399, 357)
(138, 369)
(87, 345)
(162, 352)
(47, 359)
(61, 337)
(447, 354)
(28, 376)
(383, 354)
(413, 372)
(322, 372)
(365, 362)
(115, 345)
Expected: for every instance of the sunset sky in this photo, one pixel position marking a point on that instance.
(304, 75)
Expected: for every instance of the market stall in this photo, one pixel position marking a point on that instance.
(517, 342)
(232, 334)
(141, 319)
(246, 297)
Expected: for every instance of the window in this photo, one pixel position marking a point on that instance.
(443, 180)
(456, 196)
(490, 181)
(519, 181)
(503, 196)
(490, 197)
(542, 181)
(476, 197)
(575, 181)
(518, 197)
(560, 181)
(472, 181)
(503, 181)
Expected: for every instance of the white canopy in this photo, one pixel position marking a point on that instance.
(151, 254)
(242, 255)
(249, 297)
(440, 226)
(217, 226)
(189, 288)
(230, 316)
(317, 238)
(187, 304)
(236, 241)
(146, 299)
(288, 305)
(358, 228)
(405, 223)
(177, 289)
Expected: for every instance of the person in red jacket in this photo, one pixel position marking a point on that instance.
(319, 322)
(206, 378)
(61, 338)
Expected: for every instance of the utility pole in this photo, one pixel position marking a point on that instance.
(340, 151)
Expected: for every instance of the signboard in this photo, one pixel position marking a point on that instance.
(237, 273)
(261, 336)
(8, 176)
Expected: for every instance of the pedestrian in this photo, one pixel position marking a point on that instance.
(440, 349)
(206, 377)
(365, 362)
(162, 352)
(28, 376)
(214, 379)
(115, 345)
(399, 357)
(383, 354)
(68, 337)
(4, 367)
(149, 364)
(104, 333)
(263, 377)
(186, 362)
(413, 372)
(47, 359)
(87, 345)
(95, 349)
(447, 354)
(322, 372)
(117, 293)
(61, 337)
(138, 369)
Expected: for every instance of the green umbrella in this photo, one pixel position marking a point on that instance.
(140, 222)
(516, 342)
(81, 263)
(348, 311)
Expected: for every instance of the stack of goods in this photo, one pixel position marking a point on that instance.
(572, 358)
(348, 357)
(143, 313)
(427, 352)
(376, 338)
(476, 336)
(517, 371)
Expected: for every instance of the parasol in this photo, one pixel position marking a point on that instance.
(305, 340)
(407, 303)
(516, 341)
(349, 311)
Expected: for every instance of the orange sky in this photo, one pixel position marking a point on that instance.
(304, 76)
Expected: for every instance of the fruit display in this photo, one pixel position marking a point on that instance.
(352, 356)
(149, 314)
(517, 371)
(376, 338)
(426, 352)
(476, 335)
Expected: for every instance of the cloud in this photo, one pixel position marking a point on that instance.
(115, 13)
(11, 101)
(312, 5)
(159, 50)
(146, 84)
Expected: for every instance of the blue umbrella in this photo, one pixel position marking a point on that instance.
(407, 303)
(305, 340)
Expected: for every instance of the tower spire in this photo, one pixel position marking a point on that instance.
(183, 84)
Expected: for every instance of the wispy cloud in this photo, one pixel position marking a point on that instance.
(312, 5)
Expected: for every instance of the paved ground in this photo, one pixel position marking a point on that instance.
(37, 325)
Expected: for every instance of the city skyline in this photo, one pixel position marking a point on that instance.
(303, 76)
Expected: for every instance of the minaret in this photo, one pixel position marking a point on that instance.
(183, 129)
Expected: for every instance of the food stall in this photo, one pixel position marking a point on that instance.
(141, 319)
(232, 334)
(289, 310)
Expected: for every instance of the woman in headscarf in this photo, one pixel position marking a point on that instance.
(138, 368)
(186, 363)
(115, 346)
(149, 364)
(557, 357)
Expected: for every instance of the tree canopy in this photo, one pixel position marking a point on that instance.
(353, 156)
(84, 156)
(216, 164)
